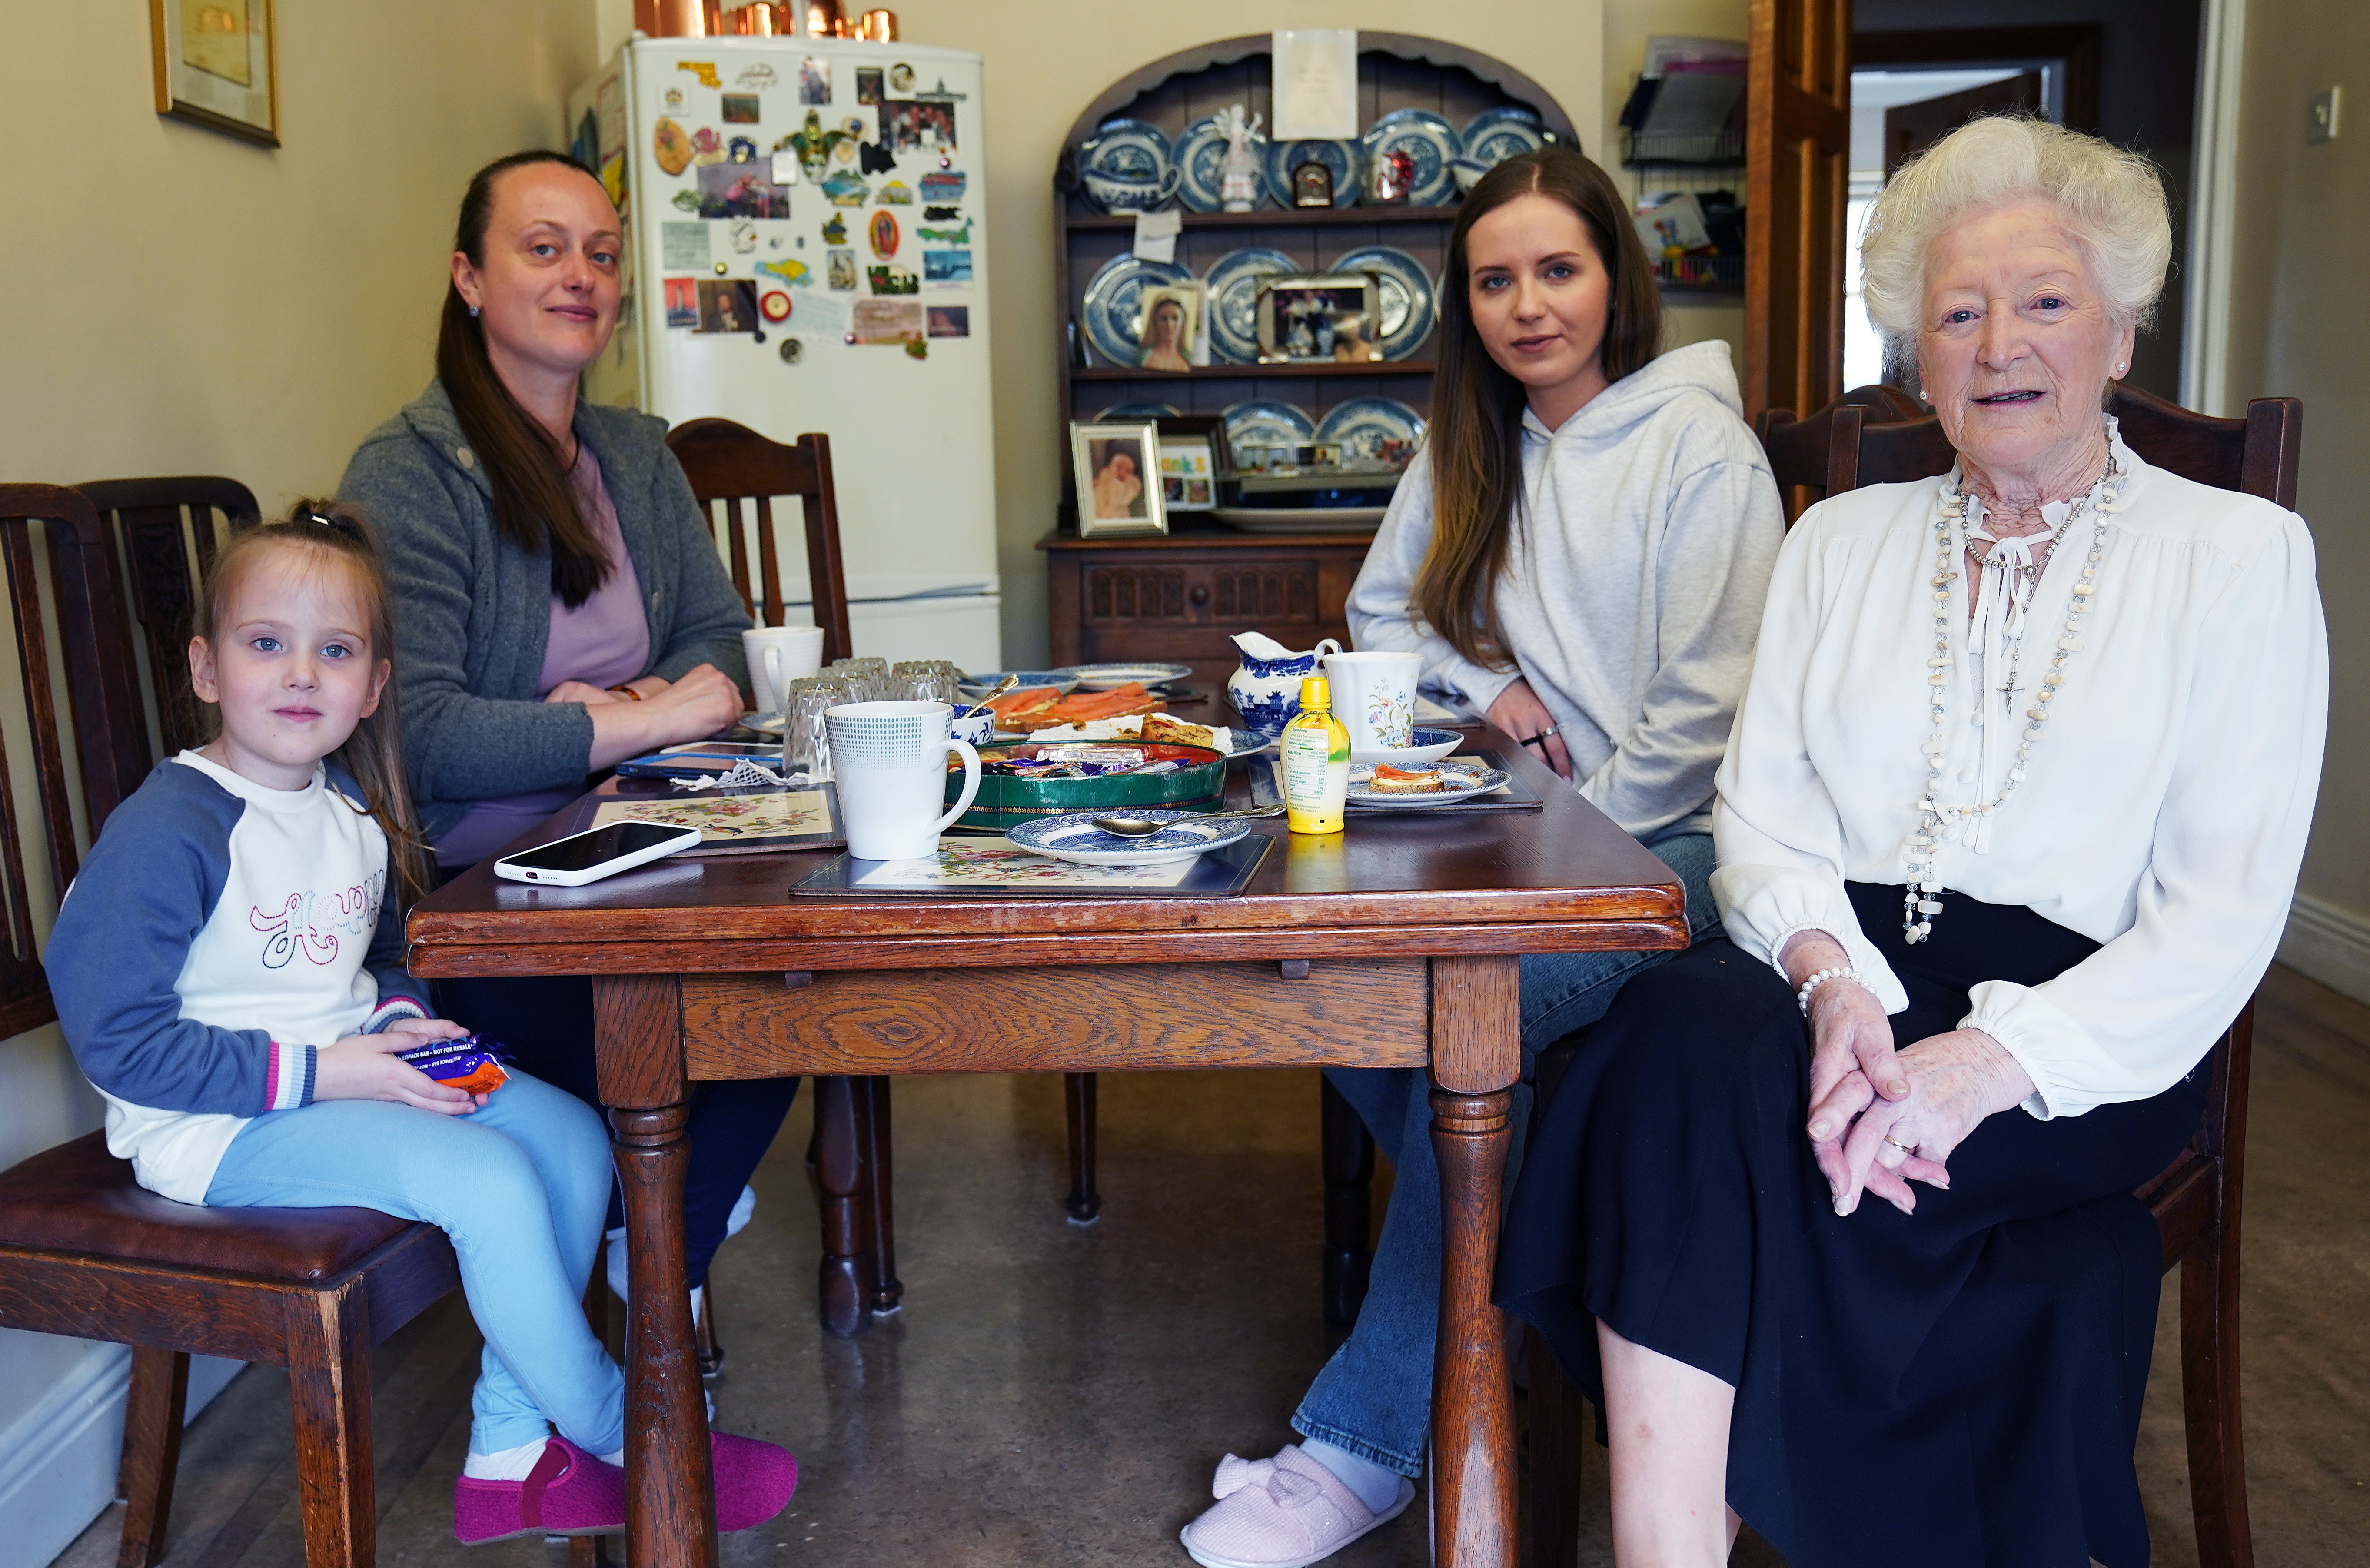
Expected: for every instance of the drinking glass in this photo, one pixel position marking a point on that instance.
(805, 743)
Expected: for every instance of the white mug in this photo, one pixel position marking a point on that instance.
(778, 655)
(890, 762)
(1373, 695)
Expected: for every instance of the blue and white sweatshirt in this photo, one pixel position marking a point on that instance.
(220, 934)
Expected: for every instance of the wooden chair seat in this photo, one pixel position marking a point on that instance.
(77, 1198)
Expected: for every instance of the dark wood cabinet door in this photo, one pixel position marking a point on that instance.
(1184, 598)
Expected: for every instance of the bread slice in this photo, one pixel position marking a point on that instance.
(1389, 780)
(1161, 728)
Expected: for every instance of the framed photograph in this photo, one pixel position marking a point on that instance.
(217, 65)
(1330, 317)
(1172, 326)
(1188, 473)
(1117, 468)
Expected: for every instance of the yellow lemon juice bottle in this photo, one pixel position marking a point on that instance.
(1316, 754)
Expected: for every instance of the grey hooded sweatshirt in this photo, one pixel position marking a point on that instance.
(1632, 590)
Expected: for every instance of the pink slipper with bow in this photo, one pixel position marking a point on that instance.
(753, 1481)
(1286, 1512)
(569, 1493)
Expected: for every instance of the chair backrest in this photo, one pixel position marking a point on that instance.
(164, 533)
(1802, 451)
(103, 706)
(732, 464)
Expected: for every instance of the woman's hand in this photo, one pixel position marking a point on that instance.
(1955, 1080)
(1853, 1063)
(364, 1067)
(580, 691)
(703, 702)
(1519, 712)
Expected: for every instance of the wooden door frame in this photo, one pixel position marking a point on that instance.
(2214, 209)
(2078, 44)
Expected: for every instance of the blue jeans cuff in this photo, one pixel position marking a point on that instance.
(1350, 1443)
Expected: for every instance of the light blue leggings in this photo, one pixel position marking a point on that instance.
(521, 1186)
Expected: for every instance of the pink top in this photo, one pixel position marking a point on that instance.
(604, 642)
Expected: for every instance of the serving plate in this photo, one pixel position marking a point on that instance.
(1409, 306)
(1233, 282)
(1431, 145)
(1075, 837)
(1129, 148)
(1363, 424)
(1265, 421)
(1109, 310)
(1431, 746)
(1480, 781)
(1110, 677)
(1062, 681)
(1496, 134)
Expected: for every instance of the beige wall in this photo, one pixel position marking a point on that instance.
(2301, 327)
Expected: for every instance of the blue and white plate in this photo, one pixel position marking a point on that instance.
(1339, 158)
(1496, 134)
(1233, 281)
(1138, 412)
(1430, 745)
(1126, 147)
(1430, 143)
(1108, 311)
(1458, 781)
(1074, 836)
(1264, 421)
(987, 680)
(1110, 677)
(1363, 424)
(1200, 159)
(1408, 309)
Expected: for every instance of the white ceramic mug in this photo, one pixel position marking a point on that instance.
(778, 655)
(890, 762)
(1373, 695)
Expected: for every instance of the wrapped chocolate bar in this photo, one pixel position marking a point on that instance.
(468, 1063)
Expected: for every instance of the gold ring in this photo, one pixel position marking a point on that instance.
(1905, 1149)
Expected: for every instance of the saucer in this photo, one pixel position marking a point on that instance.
(1431, 746)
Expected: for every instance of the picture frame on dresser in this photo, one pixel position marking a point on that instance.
(1117, 469)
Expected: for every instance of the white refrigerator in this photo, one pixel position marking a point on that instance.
(806, 250)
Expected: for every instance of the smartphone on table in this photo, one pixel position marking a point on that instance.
(602, 852)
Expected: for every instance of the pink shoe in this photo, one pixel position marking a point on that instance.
(753, 1481)
(1287, 1512)
(569, 1493)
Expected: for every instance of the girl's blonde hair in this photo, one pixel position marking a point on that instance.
(373, 755)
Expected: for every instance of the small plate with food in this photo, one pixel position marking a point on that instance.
(1062, 682)
(1075, 838)
(1109, 677)
(1382, 786)
(1430, 745)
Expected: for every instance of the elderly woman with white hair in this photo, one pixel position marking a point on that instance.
(2007, 833)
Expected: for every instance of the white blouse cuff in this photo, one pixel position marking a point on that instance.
(2045, 1040)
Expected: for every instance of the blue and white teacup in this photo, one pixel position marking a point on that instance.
(1467, 171)
(1130, 193)
(973, 724)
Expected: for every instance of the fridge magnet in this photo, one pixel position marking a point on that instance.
(813, 143)
(706, 146)
(743, 236)
(874, 157)
(774, 305)
(942, 215)
(741, 190)
(756, 78)
(892, 281)
(1110, 465)
(703, 69)
(1333, 316)
(686, 198)
(217, 65)
(900, 78)
(814, 81)
(681, 302)
(682, 247)
(867, 83)
(950, 321)
(822, 317)
(910, 127)
(918, 348)
(835, 231)
(840, 269)
(789, 271)
(947, 268)
(948, 236)
(843, 188)
(723, 269)
(728, 305)
(740, 150)
(672, 146)
(888, 321)
(939, 94)
(741, 109)
(672, 100)
(943, 187)
(1172, 326)
(791, 350)
(585, 147)
(883, 232)
(896, 193)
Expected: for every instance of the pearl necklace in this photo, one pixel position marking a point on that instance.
(1935, 819)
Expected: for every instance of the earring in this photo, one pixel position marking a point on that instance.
(473, 310)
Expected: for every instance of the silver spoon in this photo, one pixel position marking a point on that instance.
(1144, 828)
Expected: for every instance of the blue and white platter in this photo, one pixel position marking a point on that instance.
(1496, 134)
(1074, 836)
(1108, 311)
(1110, 677)
(1361, 424)
(1339, 159)
(1265, 421)
(1233, 282)
(1409, 309)
(1200, 159)
(1126, 147)
(1430, 143)
(1030, 680)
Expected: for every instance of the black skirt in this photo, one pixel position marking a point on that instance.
(1958, 1387)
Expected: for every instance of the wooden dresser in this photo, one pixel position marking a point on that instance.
(1182, 597)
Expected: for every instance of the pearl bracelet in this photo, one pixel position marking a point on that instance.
(1803, 997)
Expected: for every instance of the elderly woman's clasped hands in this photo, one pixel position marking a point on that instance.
(1882, 1118)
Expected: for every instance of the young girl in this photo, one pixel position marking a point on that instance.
(227, 968)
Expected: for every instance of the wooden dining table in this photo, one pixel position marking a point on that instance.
(1396, 943)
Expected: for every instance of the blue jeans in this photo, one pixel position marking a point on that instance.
(1373, 1398)
(521, 1187)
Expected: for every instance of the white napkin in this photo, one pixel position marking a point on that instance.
(745, 775)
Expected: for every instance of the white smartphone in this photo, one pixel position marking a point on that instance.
(604, 852)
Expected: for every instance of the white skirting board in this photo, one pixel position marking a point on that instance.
(2329, 944)
(58, 1461)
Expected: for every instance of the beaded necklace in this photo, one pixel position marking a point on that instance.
(1935, 819)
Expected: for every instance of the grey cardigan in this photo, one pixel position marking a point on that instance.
(473, 610)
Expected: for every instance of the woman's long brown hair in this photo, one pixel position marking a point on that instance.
(332, 531)
(534, 505)
(1476, 440)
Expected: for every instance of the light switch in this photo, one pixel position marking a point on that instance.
(2323, 125)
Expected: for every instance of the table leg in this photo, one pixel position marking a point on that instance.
(1083, 1202)
(879, 1197)
(671, 1510)
(844, 1290)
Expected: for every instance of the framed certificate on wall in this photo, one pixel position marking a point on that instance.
(217, 65)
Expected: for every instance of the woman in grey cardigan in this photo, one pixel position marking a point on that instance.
(559, 606)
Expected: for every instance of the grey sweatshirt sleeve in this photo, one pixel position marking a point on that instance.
(708, 619)
(1718, 546)
(1382, 611)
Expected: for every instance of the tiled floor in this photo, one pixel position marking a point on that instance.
(1053, 1395)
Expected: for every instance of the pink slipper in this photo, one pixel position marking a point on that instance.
(1287, 1512)
(753, 1481)
(569, 1493)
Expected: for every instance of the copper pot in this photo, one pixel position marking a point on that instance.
(677, 19)
(762, 18)
(826, 18)
(878, 27)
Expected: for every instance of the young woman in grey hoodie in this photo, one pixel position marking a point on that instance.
(1579, 554)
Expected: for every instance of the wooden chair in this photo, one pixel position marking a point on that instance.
(2196, 1201)
(1798, 450)
(162, 535)
(732, 464)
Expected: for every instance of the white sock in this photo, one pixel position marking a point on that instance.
(509, 1464)
(1377, 1488)
(617, 1459)
(618, 1283)
(742, 1207)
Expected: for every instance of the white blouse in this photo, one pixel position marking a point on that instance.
(2165, 805)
